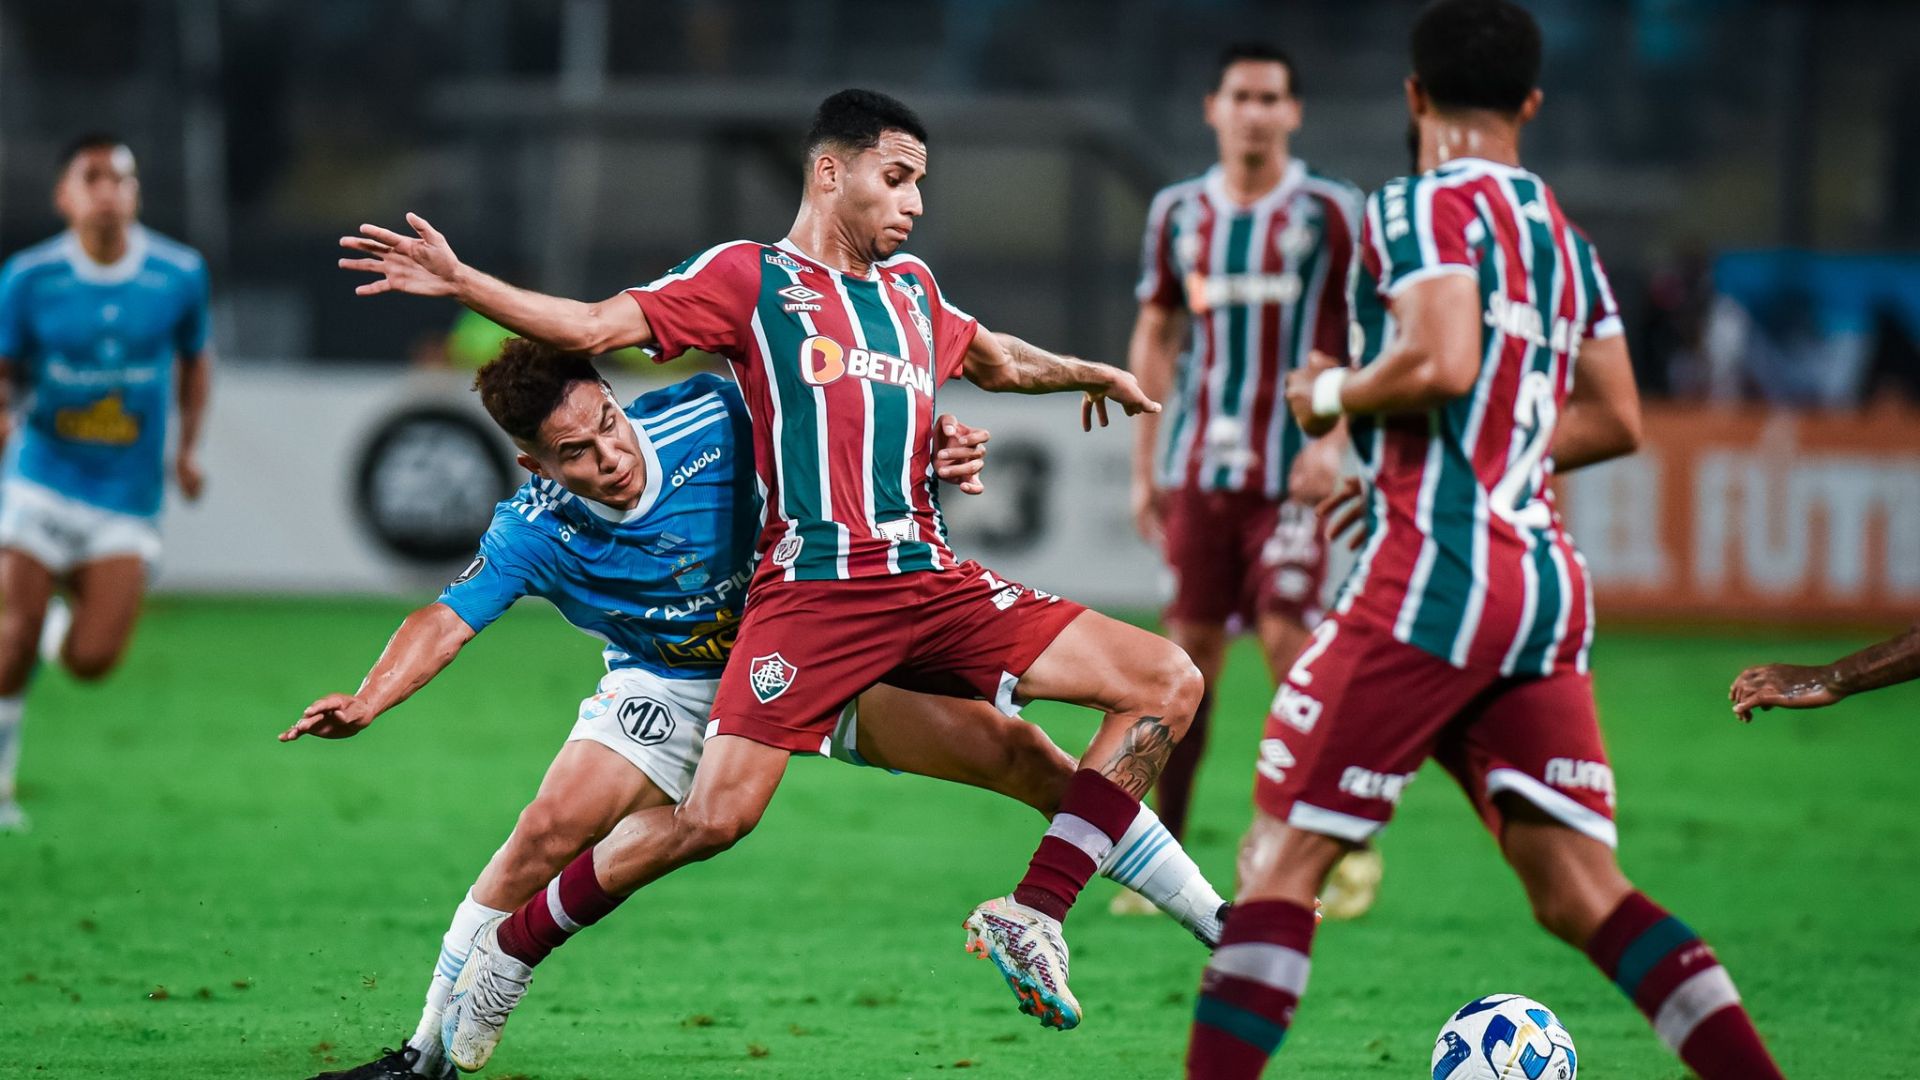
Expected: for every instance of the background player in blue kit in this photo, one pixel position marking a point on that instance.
(638, 525)
(102, 327)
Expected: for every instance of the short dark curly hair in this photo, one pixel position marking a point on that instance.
(853, 120)
(526, 381)
(1476, 54)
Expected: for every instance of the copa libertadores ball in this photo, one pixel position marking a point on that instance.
(1504, 1037)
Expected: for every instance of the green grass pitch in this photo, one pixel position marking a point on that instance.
(199, 901)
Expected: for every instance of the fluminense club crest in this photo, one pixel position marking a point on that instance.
(770, 676)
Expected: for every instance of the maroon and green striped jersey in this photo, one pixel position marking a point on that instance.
(839, 374)
(1262, 285)
(1467, 559)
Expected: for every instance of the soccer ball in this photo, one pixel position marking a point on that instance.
(1504, 1037)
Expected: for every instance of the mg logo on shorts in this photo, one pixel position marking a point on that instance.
(1275, 760)
(770, 676)
(645, 721)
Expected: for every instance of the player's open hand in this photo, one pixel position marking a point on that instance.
(1345, 512)
(1121, 388)
(1300, 393)
(1149, 510)
(186, 470)
(959, 453)
(1787, 686)
(423, 265)
(336, 716)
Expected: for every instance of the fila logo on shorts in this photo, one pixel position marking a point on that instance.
(770, 676)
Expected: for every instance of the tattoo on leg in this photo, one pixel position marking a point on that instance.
(1143, 753)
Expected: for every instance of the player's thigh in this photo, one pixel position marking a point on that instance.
(1282, 638)
(1357, 715)
(587, 790)
(956, 739)
(1102, 663)
(107, 594)
(26, 587)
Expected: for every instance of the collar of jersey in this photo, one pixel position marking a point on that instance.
(647, 498)
(873, 271)
(1290, 179)
(120, 270)
(1480, 164)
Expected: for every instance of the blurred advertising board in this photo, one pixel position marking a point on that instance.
(1753, 515)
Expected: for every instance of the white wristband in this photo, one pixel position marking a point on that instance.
(1326, 391)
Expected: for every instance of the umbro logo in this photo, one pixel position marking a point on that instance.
(800, 298)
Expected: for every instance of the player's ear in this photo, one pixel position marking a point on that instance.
(826, 172)
(529, 463)
(1531, 107)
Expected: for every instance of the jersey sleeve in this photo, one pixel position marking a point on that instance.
(1159, 278)
(13, 314)
(953, 331)
(1424, 229)
(1603, 314)
(704, 303)
(191, 333)
(508, 567)
(1340, 239)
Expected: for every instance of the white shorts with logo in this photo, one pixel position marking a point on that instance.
(660, 725)
(61, 533)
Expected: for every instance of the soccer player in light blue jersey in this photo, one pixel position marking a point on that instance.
(638, 525)
(105, 328)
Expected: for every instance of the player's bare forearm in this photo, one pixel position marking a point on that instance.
(1601, 420)
(1434, 358)
(195, 378)
(1003, 363)
(568, 325)
(1895, 660)
(421, 649)
(1152, 351)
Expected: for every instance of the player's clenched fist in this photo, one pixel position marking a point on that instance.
(422, 265)
(1787, 686)
(1300, 394)
(960, 452)
(336, 716)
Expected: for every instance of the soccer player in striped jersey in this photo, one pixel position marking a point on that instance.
(1491, 356)
(638, 526)
(839, 342)
(1244, 271)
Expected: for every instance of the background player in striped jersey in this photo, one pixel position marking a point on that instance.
(1244, 271)
(638, 526)
(1492, 355)
(105, 326)
(839, 343)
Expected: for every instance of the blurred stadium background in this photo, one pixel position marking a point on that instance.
(1751, 171)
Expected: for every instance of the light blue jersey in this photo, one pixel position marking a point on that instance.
(96, 348)
(664, 583)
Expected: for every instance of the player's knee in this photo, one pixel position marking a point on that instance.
(1564, 914)
(704, 833)
(1175, 684)
(550, 833)
(90, 664)
(1037, 772)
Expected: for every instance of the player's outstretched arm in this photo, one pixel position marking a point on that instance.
(1435, 357)
(1792, 686)
(1601, 419)
(422, 648)
(1003, 363)
(425, 265)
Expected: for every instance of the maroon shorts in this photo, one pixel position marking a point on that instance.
(1360, 712)
(806, 648)
(1238, 555)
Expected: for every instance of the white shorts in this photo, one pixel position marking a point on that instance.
(660, 725)
(61, 533)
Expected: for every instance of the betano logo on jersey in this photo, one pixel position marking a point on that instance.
(1209, 292)
(824, 360)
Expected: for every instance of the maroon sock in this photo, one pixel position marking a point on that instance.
(1095, 814)
(1175, 792)
(1675, 980)
(1250, 989)
(570, 903)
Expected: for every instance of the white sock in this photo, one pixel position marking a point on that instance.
(1151, 862)
(53, 631)
(10, 716)
(468, 918)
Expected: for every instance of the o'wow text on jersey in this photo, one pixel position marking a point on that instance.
(824, 360)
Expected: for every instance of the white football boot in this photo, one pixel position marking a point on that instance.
(1027, 948)
(489, 987)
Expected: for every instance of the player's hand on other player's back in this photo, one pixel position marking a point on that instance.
(959, 453)
(336, 716)
(1345, 512)
(1300, 393)
(1315, 471)
(1122, 389)
(1786, 686)
(423, 265)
